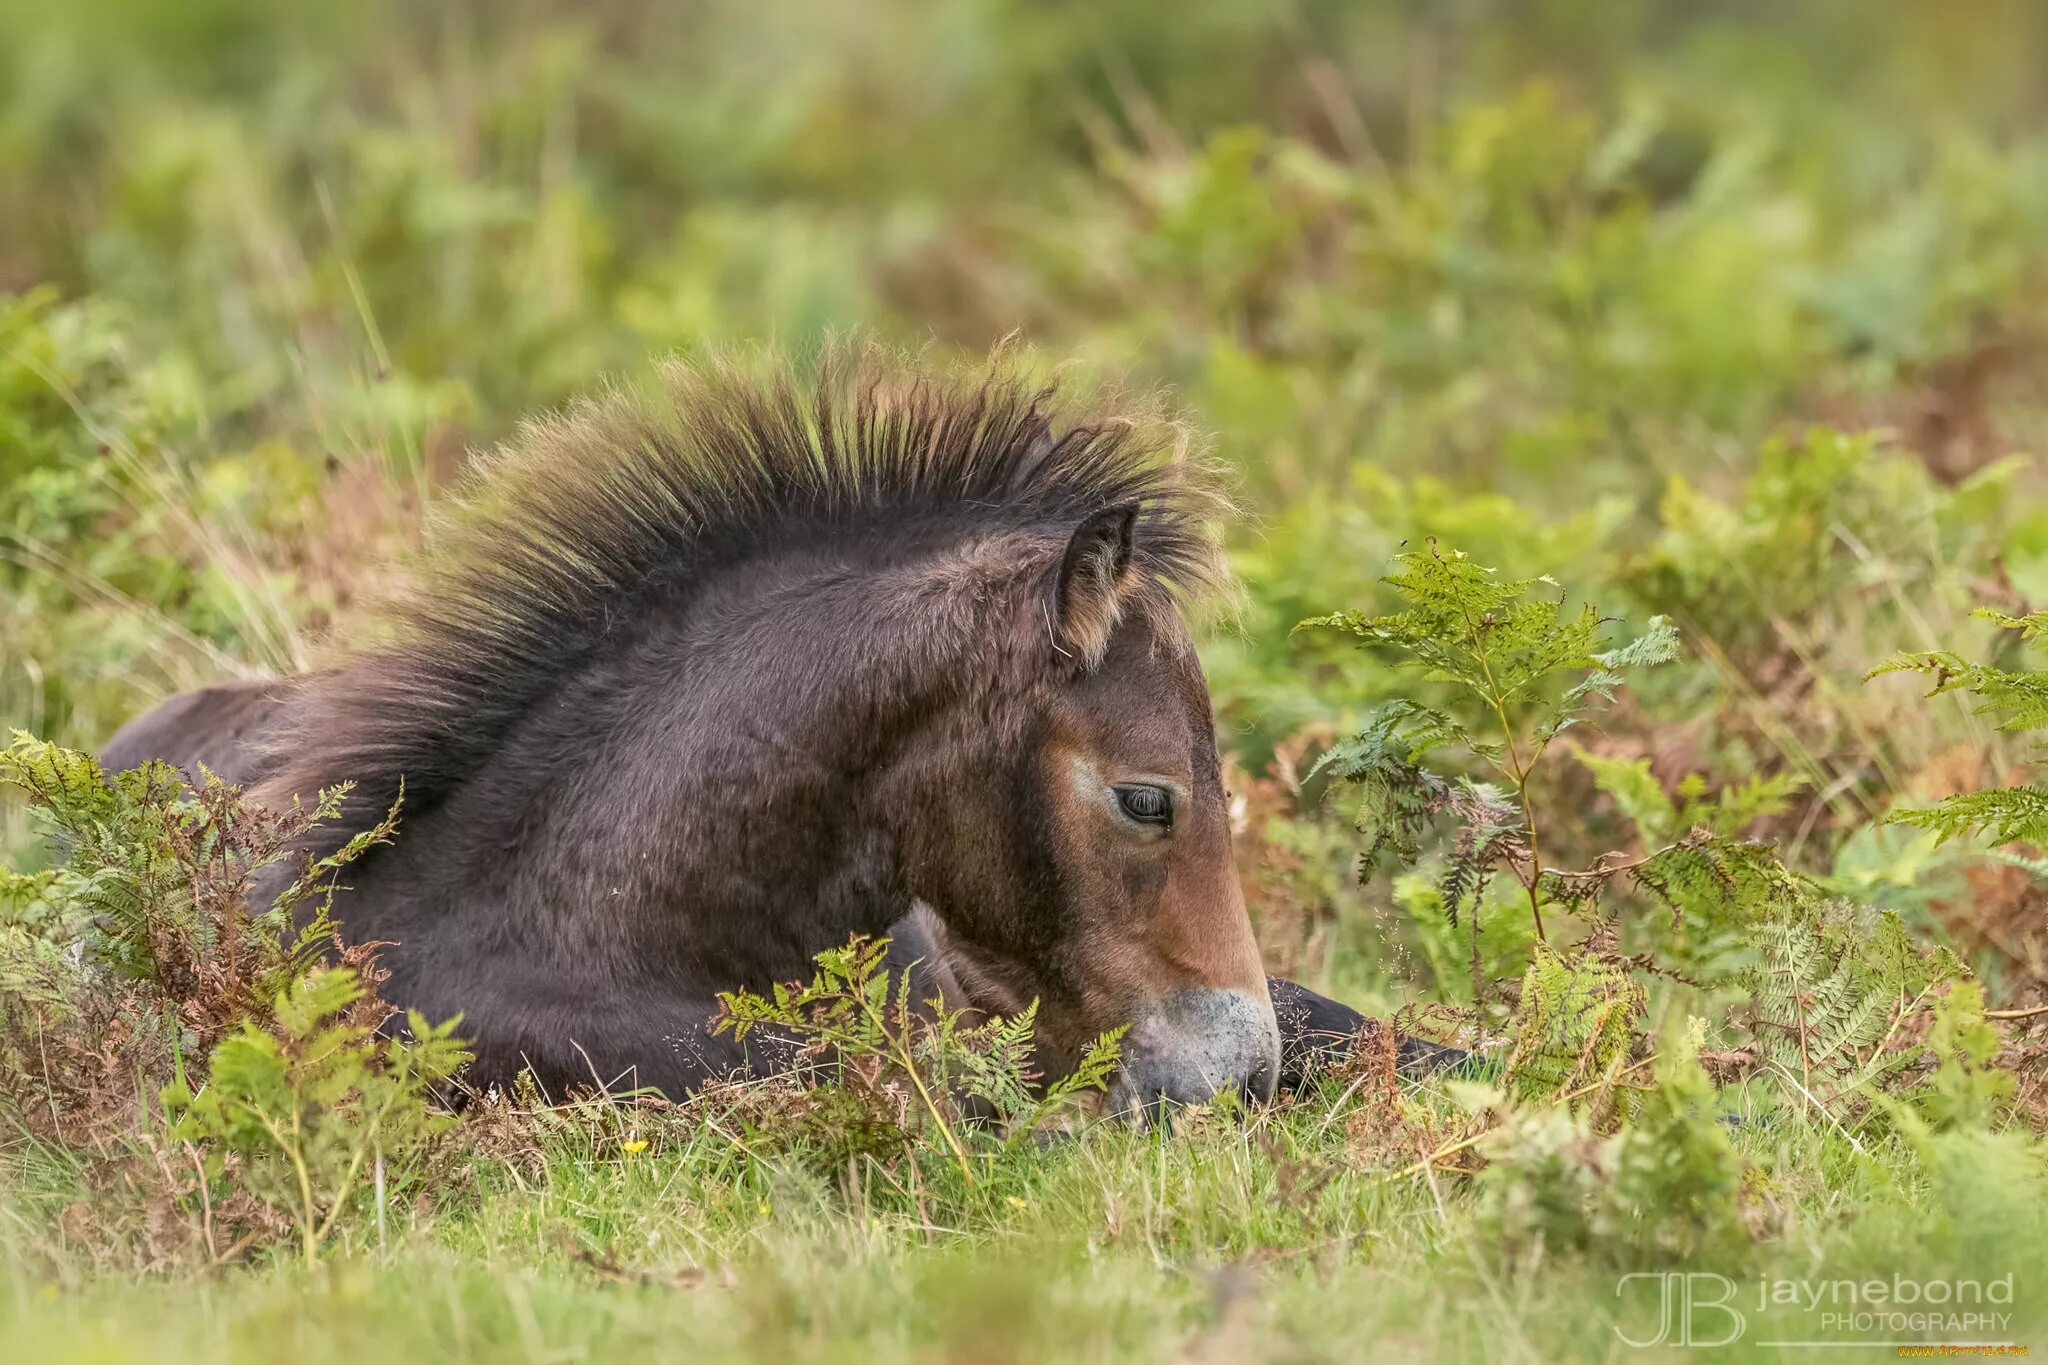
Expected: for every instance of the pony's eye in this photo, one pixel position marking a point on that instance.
(1146, 805)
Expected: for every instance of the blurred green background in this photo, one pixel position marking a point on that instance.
(1730, 311)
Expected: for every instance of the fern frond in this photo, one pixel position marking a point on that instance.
(2020, 700)
(1575, 1022)
(1831, 994)
(2002, 815)
(1658, 644)
(2032, 626)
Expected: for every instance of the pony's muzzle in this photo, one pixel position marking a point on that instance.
(1191, 1046)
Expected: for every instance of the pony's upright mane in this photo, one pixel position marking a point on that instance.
(566, 533)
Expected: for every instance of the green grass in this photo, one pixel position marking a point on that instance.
(1234, 1242)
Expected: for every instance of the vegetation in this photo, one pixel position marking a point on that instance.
(1634, 403)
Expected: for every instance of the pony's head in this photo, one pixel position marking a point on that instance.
(1077, 846)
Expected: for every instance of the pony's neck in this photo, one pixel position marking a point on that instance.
(728, 786)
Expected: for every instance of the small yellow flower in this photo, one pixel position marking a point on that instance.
(1014, 1202)
(767, 1209)
(635, 1145)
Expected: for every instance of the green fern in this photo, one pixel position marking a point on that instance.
(1833, 998)
(1677, 1177)
(1574, 1025)
(1514, 654)
(1658, 819)
(1664, 1189)
(1399, 802)
(142, 946)
(2003, 815)
(310, 1101)
(158, 876)
(882, 1061)
(1778, 555)
(1967, 1088)
(2018, 699)
(1719, 884)
(1835, 994)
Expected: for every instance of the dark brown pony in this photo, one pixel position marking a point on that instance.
(700, 684)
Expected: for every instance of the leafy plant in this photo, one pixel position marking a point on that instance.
(1827, 523)
(1827, 997)
(1525, 670)
(2018, 698)
(1574, 1024)
(1532, 668)
(143, 946)
(1546, 1175)
(1967, 1087)
(1664, 1188)
(909, 1065)
(1837, 997)
(1677, 1175)
(311, 1101)
(1660, 817)
(143, 964)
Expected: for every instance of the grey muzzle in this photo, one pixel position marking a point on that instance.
(1192, 1045)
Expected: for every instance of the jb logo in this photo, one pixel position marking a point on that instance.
(1694, 1308)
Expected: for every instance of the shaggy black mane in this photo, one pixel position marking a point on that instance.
(567, 534)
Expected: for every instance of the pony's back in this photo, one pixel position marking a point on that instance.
(220, 729)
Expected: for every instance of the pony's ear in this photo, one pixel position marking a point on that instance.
(1087, 601)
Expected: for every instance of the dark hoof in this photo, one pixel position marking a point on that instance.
(1317, 1032)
